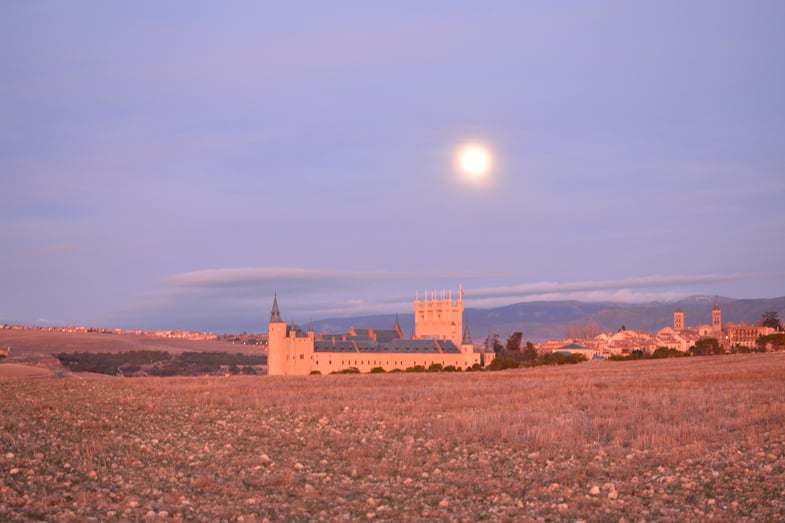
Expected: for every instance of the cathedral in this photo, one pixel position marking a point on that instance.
(728, 335)
(439, 338)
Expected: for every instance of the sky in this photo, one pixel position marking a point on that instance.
(173, 165)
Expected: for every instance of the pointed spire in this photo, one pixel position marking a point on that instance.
(397, 326)
(716, 303)
(467, 336)
(275, 315)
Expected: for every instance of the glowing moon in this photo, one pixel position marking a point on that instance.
(474, 161)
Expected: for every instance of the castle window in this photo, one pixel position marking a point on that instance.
(302, 356)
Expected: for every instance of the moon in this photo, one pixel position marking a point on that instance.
(474, 161)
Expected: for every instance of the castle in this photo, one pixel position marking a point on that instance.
(439, 338)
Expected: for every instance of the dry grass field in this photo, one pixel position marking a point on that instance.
(36, 348)
(689, 439)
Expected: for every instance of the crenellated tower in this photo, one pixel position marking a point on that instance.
(439, 317)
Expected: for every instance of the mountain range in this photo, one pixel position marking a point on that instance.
(544, 320)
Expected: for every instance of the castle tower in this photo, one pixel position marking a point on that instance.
(276, 342)
(716, 316)
(678, 320)
(441, 317)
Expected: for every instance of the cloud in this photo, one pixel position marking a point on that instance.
(237, 299)
(55, 250)
(215, 278)
(562, 289)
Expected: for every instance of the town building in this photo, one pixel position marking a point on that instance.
(729, 335)
(440, 338)
(576, 348)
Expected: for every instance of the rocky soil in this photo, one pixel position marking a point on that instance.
(660, 441)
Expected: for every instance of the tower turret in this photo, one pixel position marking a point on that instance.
(678, 320)
(716, 316)
(467, 336)
(275, 314)
(276, 342)
(467, 347)
(397, 327)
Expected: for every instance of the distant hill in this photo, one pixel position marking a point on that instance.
(543, 320)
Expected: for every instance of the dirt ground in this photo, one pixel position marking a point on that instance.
(688, 439)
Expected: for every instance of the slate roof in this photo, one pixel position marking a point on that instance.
(395, 346)
(387, 335)
(329, 346)
(574, 346)
(275, 314)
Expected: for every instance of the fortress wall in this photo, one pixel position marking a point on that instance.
(327, 362)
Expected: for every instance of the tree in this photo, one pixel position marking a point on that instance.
(583, 331)
(514, 341)
(529, 353)
(492, 341)
(770, 319)
(707, 347)
(771, 342)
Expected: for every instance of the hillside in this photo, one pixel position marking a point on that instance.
(36, 347)
(543, 320)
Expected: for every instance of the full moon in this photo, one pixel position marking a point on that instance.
(474, 160)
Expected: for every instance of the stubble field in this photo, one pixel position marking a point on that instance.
(688, 439)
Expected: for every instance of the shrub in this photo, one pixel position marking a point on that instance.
(667, 352)
(575, 358)
(377, 370)
(554, 358)
(707, 347)
(435, 367)
(771, 341)
(416, 368)
(350, 370)
(502, 364)
(316, 373)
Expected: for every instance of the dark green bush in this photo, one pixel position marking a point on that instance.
(502, 364)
